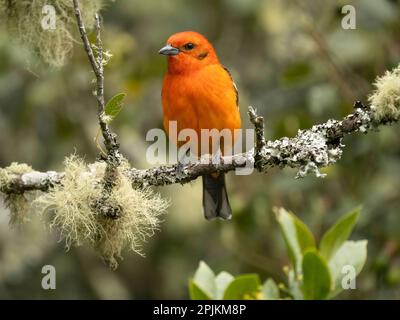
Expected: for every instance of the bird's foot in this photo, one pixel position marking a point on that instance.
(180, 170)
(217, 159)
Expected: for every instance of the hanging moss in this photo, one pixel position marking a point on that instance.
(71, 208)
(18, 204)
(24, 22)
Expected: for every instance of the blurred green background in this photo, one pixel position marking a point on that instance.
(291, 60)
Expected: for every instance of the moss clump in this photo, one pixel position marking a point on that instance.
(54, 46)
(386, 97)
(72, 208)
(14, 169)
(19, 207)
(18, 204)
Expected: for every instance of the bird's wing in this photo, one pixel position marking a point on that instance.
(234, 85)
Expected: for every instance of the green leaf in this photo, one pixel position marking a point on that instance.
(246, 284)
(316, 276)
(114, 106)
(298, 237)
(204, 278)
(351, 253)
(338, 234)
(222, 280)
(197, 293)
(270, 290)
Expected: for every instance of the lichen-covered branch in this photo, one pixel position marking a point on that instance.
(258, 123)
(119, 192)
(113, 157)
(18, 183)
(309, 150)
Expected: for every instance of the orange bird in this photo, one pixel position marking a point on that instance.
(198, 93)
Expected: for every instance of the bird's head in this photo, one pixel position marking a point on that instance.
(188, 51)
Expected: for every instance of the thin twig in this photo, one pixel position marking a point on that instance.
(110, 140)
(84, 37)
(99, 63)
(258, 123)
(113, 157)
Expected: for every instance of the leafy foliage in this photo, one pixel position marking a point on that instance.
(205, 285)
(114, 106)
(243, 286)
(298, 237)
(270, 290)
(313, 275)
(334, 238)
(316, 276)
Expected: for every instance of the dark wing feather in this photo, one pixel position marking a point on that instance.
(234, 85)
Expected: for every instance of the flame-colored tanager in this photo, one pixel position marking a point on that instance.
(198, 93)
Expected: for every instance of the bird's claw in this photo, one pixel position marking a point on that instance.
(217, 159)
(180, 170)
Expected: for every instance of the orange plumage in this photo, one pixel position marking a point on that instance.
(199, 93)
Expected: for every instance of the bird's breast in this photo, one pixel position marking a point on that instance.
(205, 99)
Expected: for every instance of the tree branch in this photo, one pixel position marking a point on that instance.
(258, 123)
(309, 150)
(113, 157)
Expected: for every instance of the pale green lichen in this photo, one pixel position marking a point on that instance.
(71, 209)
(24, 21)
(385, 100)
(17, 203)
(19, 207)
(14, 169)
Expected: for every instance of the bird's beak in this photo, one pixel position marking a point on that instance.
(169, 50)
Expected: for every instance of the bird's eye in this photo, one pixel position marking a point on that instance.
(189, 46)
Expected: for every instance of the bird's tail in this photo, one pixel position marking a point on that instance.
(215, 198)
